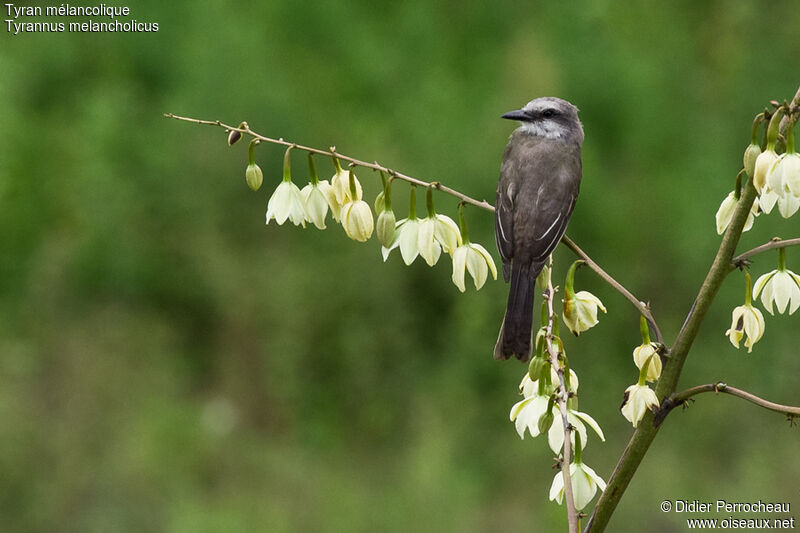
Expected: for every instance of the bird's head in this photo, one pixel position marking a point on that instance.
(549, 117)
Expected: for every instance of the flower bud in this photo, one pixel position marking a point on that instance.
(751, 153)
(380, 202)
(254, 176)
(763, 163)
(545, 421)
(384, 227)
(233, 137)
(536, 366)
(357, 220)
(543, 280)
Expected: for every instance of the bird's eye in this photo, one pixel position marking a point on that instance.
(547, 113)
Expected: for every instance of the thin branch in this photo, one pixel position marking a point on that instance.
(562, 394)
(681, 397)
(776, 242)
(643, 308)
(482, 204)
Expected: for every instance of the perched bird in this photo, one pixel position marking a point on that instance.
(539, 182)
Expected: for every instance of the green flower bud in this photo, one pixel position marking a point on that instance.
(545, 421)
(750, 155)
(572, 403)
(385, 226)
(254, 176)
(544, 278)
(380, 202)
(536, 366)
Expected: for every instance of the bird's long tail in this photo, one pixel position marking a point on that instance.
(515, 333)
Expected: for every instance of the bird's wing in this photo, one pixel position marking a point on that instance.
(547, 238)
(504, 226)
(551, 191)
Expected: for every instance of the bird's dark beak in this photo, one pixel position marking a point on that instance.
(519, 114)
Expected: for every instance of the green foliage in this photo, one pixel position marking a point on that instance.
(169, 363)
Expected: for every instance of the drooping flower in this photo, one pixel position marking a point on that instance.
(783, 176)
(791, 174)
(725, 213)
(643, 353)
(536, 397)
(787, 203)
(778, 189)
(286, 203)
(787, 169)
(429, 248)
(386, 223)
(406, 234)
(357, 220)
(768, 156)
(555, 437)
(580, 311)
(406, 237)
(476, 260)
(526, 413)
(638, 399)
(528, 386)
(780, 286)
(471, 257)
(746, 320)
(763, 164)
(445, 233)
(342, 190)
(585, 483)
(437, 233)
(317, 198)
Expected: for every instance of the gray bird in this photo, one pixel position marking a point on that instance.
(539, 182)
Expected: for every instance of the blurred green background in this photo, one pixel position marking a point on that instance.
(170, 364)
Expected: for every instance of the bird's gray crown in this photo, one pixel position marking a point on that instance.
(550, 117)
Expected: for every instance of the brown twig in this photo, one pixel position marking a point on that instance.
(244, 128)
(562, 394)
(681, 397)
(776, 242)
(483, 204)
(643, 308)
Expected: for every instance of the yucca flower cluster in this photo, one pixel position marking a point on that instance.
(776, 178)
(779, 289)
(538, 413)
(342, 196)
